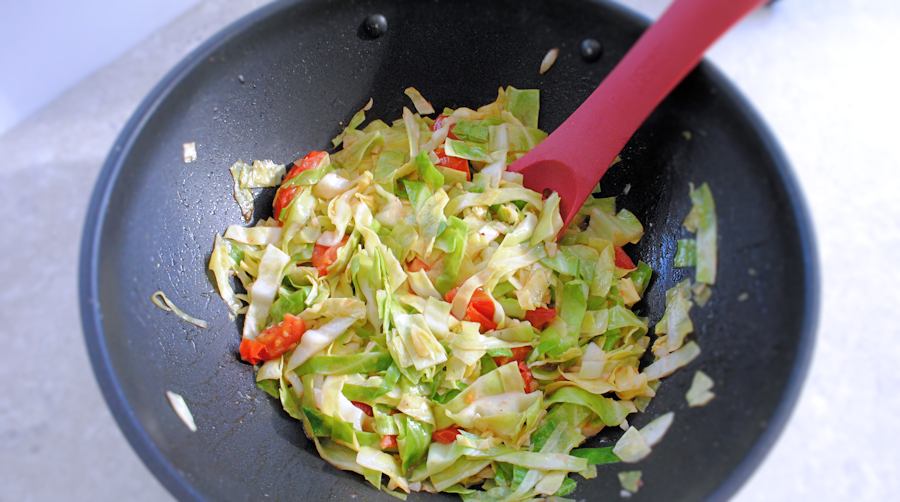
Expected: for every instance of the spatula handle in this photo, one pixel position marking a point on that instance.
(590, 138)
(659, 60)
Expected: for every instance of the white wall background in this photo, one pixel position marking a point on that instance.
(49, 45)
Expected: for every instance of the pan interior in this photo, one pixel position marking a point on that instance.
(305, 69)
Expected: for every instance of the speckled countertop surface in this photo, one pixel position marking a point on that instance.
(824, 76)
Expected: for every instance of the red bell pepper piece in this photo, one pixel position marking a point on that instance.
(324, 256)
(445, 436)
(540, 317)
(480, 308)
(273, 341)
(623, 260)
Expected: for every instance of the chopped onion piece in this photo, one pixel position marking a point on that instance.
(632, 447)
(700, 392)
(257, 236)
(630, 481)
(548, 60)
(163, 302)
(668, 364)
(182, 410)
(189, 152)
(655, 430)
(330, 186)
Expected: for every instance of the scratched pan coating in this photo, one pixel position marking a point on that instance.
(305, 69)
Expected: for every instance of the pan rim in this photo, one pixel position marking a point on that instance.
(177, 483)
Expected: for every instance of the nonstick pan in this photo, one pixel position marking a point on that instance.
(278, 83)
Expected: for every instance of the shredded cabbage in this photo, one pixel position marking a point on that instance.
(317, 339)
(428, 319)
(262, 294)
(259, 174)
(222, 263)
(181, 409)
(702, 220)
(636, 444)
(669, 363)
(164, 303)
(377, 460)
(632, 446)
(423, 107)
(676, 323)
(258, 236)
(655, 430)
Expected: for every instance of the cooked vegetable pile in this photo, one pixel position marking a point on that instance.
(410, 303)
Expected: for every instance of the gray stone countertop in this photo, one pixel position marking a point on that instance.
(824, 76)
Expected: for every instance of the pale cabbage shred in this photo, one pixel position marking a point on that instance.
(383, 335)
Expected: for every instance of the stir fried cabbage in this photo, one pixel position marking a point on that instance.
(430, 322)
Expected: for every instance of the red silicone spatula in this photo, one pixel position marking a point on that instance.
(573, 159)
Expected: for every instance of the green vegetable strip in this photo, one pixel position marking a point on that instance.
(610, 411)
(641, 277)
(413, 440)
(291, 303)
(370, 362)
(597, 456)
(686, 253)
(453, 242)
(524, 104)
(562, 335)
(568, 486)
(704, 214)
(469, 151)
(432, 177)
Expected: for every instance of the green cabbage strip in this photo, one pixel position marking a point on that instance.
(686, 253)
(610, 411)
(524, 104)
(562, 335)
(259, 174)
(597, 456)
(702, 220)
(453, 242)
(433, 178)
(370, 362)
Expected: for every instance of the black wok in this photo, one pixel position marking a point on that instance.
(277, 83)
